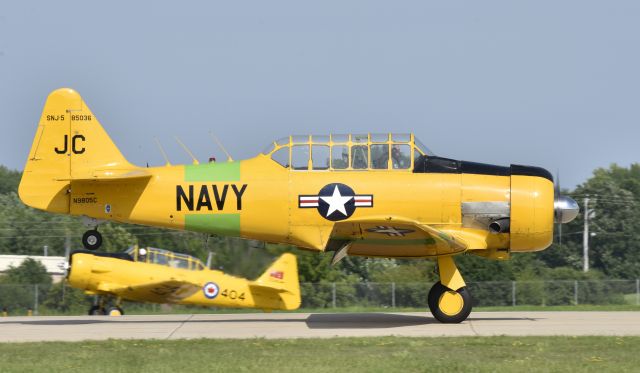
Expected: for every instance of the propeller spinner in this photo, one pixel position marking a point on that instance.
(566, 208)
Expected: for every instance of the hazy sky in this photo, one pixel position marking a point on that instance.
(548, 83)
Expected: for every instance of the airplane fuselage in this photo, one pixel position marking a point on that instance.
(259, 199)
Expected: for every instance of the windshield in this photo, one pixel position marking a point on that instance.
(422, 147)
(165, 258)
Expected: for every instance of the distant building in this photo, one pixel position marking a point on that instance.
(53, 264)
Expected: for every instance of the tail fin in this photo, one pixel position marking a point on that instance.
(280, 280)
(69, 144)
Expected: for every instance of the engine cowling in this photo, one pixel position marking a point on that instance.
(532, 208)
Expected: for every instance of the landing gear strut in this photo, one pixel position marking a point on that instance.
(449, 300)
(99, 309)
(91, 239)
(96, 310)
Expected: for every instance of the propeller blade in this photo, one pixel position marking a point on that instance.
(67, 254)
(556, 198)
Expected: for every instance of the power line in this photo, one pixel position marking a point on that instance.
(606, 197)
(603, 196)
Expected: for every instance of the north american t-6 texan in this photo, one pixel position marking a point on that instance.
(371, 195)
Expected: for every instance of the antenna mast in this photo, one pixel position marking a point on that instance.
(215, 139)
(195, 161)
(164, 154)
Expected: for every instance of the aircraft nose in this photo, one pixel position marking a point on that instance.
(79, 270)
(566, 209)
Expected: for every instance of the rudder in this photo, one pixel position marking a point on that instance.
(282, 275)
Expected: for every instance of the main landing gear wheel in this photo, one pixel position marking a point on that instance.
(449, 306)
(115, 311)
(96, 311)
(92, 239)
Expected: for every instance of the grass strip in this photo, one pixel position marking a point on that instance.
(380, 354)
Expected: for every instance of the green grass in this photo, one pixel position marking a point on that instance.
(631, 299)
(385, 354)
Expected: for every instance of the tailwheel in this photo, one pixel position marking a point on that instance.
(449, 306)
(96, 310)
(91, 239)
(115, 311)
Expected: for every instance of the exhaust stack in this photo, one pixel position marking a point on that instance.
(500, 225)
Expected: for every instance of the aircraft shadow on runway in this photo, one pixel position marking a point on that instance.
(364, 320)
(378, 320)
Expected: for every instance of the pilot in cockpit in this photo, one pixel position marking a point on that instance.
(399, 160)
(142, 254)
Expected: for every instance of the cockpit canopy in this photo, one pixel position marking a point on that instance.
(390, 151)
(165, 257)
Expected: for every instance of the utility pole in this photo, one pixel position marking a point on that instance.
(209, 257)
(585, 237)
(588, 214)
(67, 244)
(67, 253)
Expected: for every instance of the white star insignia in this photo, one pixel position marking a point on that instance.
(336, 202)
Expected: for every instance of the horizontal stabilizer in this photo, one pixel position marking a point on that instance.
(260, 286)
(110, 175)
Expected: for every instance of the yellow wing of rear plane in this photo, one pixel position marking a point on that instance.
(374, 195)
(165, 291)
(160, 276)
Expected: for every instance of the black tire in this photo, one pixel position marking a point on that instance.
(92, 239)
(96, 311)
(450, 317)
(114, 311)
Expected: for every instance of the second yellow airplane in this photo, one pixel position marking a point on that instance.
(161, 276)
(370, 195)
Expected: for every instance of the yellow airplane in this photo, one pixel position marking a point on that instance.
(161, 276)
(368, 195)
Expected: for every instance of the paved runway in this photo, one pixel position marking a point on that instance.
(321, 325)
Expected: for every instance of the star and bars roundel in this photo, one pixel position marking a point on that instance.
(335, 201)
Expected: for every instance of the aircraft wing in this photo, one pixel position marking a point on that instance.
(171, 290)
(390, 236)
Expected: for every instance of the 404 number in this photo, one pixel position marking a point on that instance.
(232, 294)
